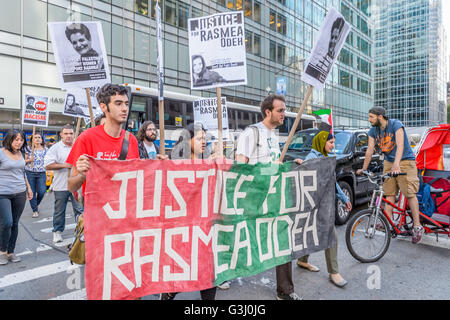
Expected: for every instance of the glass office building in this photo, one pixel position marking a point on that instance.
(279, 36)
(410, 61)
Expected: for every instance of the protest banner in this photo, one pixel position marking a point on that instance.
(217, 50)
(331, 39)
(205, 111)
(35, 111)
(332, 36)
(162, 227)
(80, 53)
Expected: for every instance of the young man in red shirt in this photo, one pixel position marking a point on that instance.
(104, 141)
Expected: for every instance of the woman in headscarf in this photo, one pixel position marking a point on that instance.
(323, 144)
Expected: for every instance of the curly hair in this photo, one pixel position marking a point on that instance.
(108, 90)
(267, 103)
(77, 28)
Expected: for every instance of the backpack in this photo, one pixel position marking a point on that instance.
(426, 203)
(255, 140)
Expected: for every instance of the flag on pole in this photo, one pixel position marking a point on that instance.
(326, 115)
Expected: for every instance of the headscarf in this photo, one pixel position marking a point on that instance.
(320, 141)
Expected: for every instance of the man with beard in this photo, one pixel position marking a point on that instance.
(146, 137)
(390, 136)
(259, 143)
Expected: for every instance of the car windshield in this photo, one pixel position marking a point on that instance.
(342, 140)
(302, 141)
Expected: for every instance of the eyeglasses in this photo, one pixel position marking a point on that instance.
(151, 129)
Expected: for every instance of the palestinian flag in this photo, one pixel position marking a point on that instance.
(326, 115)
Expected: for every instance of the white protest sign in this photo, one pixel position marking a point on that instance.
(76, 104)
(35, 111)
(205, 111)
(217, 50)
(80, 53)
(331, 39)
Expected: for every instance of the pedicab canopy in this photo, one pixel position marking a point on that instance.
(431, 149)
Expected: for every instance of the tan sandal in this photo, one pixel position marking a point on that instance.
(35, 214)
(308, 267)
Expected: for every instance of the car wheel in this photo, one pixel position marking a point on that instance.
(342, 214)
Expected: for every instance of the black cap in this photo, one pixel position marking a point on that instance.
(379, 111)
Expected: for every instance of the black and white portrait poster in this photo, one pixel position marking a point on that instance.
(35, 111)
(76, 104)
(80, 53)
(205, 111)
(217, 50)
(331, 39)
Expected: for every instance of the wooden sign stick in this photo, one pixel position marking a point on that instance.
(296, 122)
(77, 131)
(162, 144)
(91, 111)
(32, 145)
(219, 119)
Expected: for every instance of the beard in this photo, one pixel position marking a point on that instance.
(152, 138)
(376, 124)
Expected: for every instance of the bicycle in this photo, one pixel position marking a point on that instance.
(369, 232)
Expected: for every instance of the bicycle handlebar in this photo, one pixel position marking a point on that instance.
(382, 177)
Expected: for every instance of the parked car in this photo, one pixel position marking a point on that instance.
(350, 149)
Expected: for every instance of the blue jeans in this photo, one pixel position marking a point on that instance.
(59, 217)
(37, 181)
(11, 208)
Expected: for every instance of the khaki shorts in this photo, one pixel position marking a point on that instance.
(408, 185)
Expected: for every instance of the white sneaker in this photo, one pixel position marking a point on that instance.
(57, 237)
(224, 286)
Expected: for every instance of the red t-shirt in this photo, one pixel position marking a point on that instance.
(97, 143)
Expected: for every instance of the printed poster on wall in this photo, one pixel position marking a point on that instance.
(35, 111)
(217, 50)
(331, 39)
(80, 53)
(205, 111)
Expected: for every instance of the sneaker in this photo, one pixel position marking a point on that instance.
(292, 296)
(14, 258)
(224, 286)
(57, 237)
(417, 234)
(166, 296)
(3, 259)
(36, 214)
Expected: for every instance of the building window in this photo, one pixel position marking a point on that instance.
(345, 79)
(346, 57)
(171, 12)
(141, 6)
(277, 22)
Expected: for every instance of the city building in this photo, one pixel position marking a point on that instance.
(279, 37)
(410, 61)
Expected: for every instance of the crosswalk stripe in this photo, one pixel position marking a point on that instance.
(68, 227)
(36, 273)
(74, 295)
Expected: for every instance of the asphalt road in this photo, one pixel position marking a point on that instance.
(407, 271)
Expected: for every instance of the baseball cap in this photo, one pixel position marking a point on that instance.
(379, 111)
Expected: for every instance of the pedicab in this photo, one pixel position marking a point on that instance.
(369, 232)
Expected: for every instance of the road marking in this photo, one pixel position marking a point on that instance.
(430, 240)
(36, 273)
(74, 295)
(68, 227)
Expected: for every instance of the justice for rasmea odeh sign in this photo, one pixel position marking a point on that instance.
(332, 36)
(80, 53)
(205, 111)
(217, 50)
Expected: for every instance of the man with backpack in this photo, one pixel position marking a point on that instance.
(259, 143)
(390, 136)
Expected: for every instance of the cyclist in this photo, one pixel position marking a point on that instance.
(390, 136)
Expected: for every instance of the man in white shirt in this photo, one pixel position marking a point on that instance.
(55, 160)
(261, 144)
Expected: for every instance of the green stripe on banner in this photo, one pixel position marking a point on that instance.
(271, 215)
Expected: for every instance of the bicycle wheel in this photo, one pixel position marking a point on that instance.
(367, 239)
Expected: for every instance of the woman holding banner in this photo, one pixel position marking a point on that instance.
(14, 191)
(323, 144)
(191, 145)
(35, 171)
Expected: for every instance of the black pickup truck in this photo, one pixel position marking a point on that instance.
(350, 149)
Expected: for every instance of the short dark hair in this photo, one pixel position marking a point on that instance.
(267, 103)
(9, 138)
(197, 56)
(77, 28)
(141, 132)
(67, 126)
(379, 111)
(30, 98)
(105, 93)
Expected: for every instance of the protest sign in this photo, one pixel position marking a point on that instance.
(331, 39)
(217, 50)
(80, 53)
(205, 111)
(35, 111)
(76, 104)
(157, 226)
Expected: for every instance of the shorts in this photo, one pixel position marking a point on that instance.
(408, 185)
